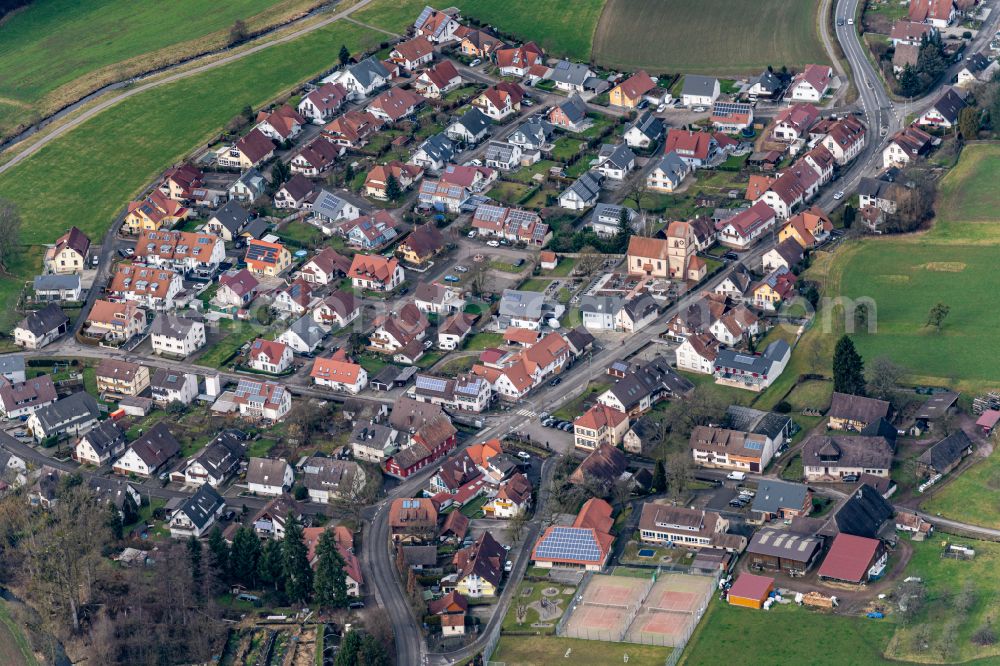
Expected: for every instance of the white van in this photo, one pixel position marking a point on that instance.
(736, 476)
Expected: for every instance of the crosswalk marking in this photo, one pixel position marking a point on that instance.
(525, 412)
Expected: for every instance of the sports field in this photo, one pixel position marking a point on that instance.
(56, 51)
(708, 36)
(550, 650)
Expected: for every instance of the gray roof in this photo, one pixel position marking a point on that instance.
(699, 85)
(845, 451)
(949, 105)
(105, 437)
(876, 188)
(640, 306)
(232, 216)
(114, 491)
(574, 108)
(257, 228)
(329, 474)
(620, 156)
(673, 166)
(533, 133)
(521, 304)
(773, 495)
(11, 363)
(935, 407)
(784, 544)
(439, 148)
(571, 73)
(587, 187)
(201, 507)
(767, 80)
(947, 452)
(648, 124)
(499, 152)
(307, 330)
(172, 325)
(40, 322)
(474, 121)
(54, 282)
(730, 358)
(223, 454)
(654, 377)
(368, 70)
(252, 179)
(606, 304)
(329, 205)
(864, 513)
(612, 212)
(165, 378)
(67, 412)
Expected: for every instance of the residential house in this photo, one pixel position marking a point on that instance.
(695, 148)
(438, 80)
(479, 44)
(412, 521)
(775, 289)
(315, 158)
(73, 415)
(69, 254)
(280, 124)
(352, 129)
(844, 137)
(373, 442)
(570, 76)
(340, 373)
(320, 105)
(472, 127)
(737, 325)
(615, 161)
(303, 336)
(262, 400)
(878, 193)
(910, 33)
(786, 254)
(237, 289)
(154, 212)
(249, 187)
(500, 100)
(437, 26)
(668, 174)
(767, 85)
(606, 219)
(396, 330)
(55, 287)
(329, 208)
(583, 193)
(435, 152)
(599, 425)
(794, 122)
(267, 258)
(746, 227)
(121, 377)
(502, 156)
(247, 152)
(521, 309)
(169, 386)
(831, 458)
(412, 53)
(586, 544)
(944, 456)
(697, 353)
(856, 412)
(513, 224)
(731, 117)
(196, 515)
(325, 267)
(269, 476)
(337, 310)
(176, 336)
(532, 135)
(518, 60)
(752, 372)
(181, 251)
(395, 104)
(811, 84)
(344, 540)
(431, 297)
(364, 78)
(294, 299)
(905, 146)
(271, 521)
(643, 385)
(329, 479)
(269, 356)
(945, 110)
(375, 272)
(570, 115)
(114, 322)
(681, 526)
(453, 330)
(630, 92)
(937, 13)
(229, 221)
(148, 454)
(699, 90)
(513, 499)
(423, 243)
(369, 232)
(377, 181)
(807, 229)
(180, 182)
(455, 188)
(479, 567)
(18, 399)
(736, 285)
(730, 449)
(644, 132)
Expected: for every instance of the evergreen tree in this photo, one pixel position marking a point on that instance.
(194, 560)
(295, 562)
(218, 554)
(909, 82)
(848, 368)
(659, 477)
(115, 523)
(348, 175)
(280, 174)
(270, 570)
(244, 557)
(392, 188)
(624, 231)
(330, 586)
(345, 55)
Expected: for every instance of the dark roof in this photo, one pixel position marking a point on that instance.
(223, 454)
(232, 216)
(864, 513)
(156, 446)
(105, 437)
(45, 320)
(484, 558)
(857, 408)
(425, 556)
(201, 507)
(114, 491)
(605, 464)
(936, 406)
(784, 544)
(652, 377)
(773, 495)
(579, 338)
(881, 428)
(73, 409)
(790, 250)
(949, 105)
(846, 451)
(947, 452)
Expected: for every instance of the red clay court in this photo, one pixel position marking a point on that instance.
(605, 607)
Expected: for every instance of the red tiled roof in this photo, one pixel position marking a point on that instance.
(849, 558)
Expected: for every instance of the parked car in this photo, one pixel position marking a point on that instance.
(524, 455)
(95, 260)
(472, 234)
(849, 478)
(736, 476)
(450, 278)
(461, 269)
(567, 427)
(699, 109)
(508, 566)
(556, 381)
(493, 243)
(838, 195)
(475, 63)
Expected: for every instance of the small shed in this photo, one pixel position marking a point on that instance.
(988, 421)
(750, 590)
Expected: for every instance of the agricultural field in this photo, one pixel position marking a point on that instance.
(668, 36)
(550, 23)
(820, 638)
(961, 498)
(547, 650)
(56, 51)
(83, 170)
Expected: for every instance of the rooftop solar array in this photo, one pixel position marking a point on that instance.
(427, 383)
(569, 543)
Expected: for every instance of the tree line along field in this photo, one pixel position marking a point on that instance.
(87, 176)
(53, 52)
(708, 36)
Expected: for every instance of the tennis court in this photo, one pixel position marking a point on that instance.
(671, 610)
(605, 607)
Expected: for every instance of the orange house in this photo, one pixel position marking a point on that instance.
(750, 591)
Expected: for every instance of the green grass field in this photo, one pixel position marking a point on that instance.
(14, 648)
(962, 497)
(548, 650)
(815, 638)
(708, 36)
(560, 29)
(56, 51)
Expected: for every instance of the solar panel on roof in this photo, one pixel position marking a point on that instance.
(754, 446)
(431, 383)
(569, 543)
(741, 358)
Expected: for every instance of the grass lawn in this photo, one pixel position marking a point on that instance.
(534, 593)
(820, 639)
(260, 447)
(582, 402)
(372, 363)
(237, 333)
(706, 384)
(509, 193)
(563, 268)
(684, 36)
(429, 359)
(56, 51)
(945, 623)
(484, 340)
(85, 168)
(964, 497)
(793, 471)
(474, 509)
(456, 366)
(548, 650)
(504, 266)
(812, 394)
(14, 647)
(566, 147)
(525, 174)
(535, 284)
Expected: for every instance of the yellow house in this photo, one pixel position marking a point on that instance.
(630, 92)
(264, 258)
(807, 228)
(479, 567)
(69, 254)
(153, 213)
(421, 245)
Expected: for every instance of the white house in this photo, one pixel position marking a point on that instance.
(700, 90)
(176, 336)
(697, 354)
(196, 515)
(615, 161)
(363, 78)
(170, 385)
(269, 476)
(304, 335)
(583, 193)
(339, 373)
(811, 84)
(101, 444)
(270, 356)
